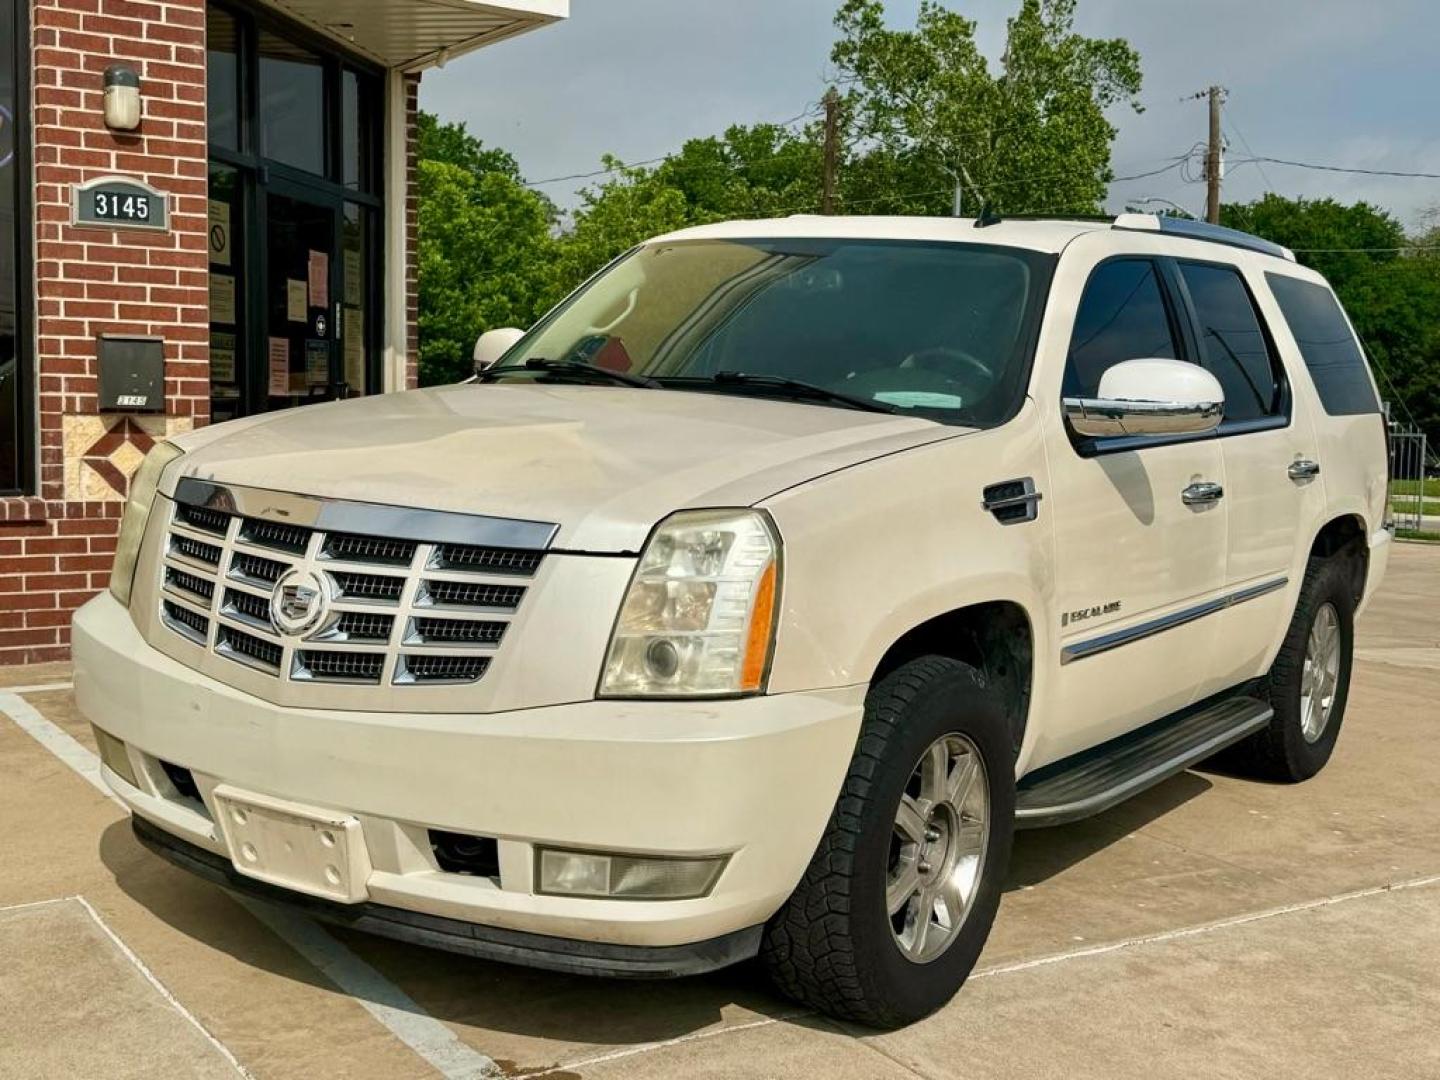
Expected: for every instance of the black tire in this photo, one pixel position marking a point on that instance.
(831, 945)
(1281, 752)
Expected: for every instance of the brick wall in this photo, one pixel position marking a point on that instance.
(56, 547)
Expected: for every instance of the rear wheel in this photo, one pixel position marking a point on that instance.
(899, 898)
(1309, 683)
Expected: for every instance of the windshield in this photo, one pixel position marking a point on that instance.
(929, 329)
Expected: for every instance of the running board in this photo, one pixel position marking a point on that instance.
(1097, 780)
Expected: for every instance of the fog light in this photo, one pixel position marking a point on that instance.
(626, 877)
(114, 755)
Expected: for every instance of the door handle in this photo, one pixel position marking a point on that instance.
(1304, 469)
(1202, 493)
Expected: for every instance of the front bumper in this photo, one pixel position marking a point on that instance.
(754, 779)
(469, 939)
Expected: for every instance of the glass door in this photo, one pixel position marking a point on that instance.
(302, 253)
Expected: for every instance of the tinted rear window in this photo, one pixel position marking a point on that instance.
(1330, 350)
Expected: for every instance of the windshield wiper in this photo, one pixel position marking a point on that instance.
(794, 388)
(572, 369)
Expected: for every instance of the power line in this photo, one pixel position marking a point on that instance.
(1397, 250)
(1246, 143)
(1342, 168)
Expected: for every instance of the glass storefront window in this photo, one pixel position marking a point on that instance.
(12, 400)
(295, 216)
(355, 278)
(222, 77)
(228, 347)
(292, 104)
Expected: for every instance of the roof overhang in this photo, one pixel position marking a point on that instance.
(412, 35)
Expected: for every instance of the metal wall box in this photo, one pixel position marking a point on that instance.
(132, 373)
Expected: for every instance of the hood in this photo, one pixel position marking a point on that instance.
(603, 463)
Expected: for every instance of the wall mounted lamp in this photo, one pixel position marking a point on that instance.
(122, 98)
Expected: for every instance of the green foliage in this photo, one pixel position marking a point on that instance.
(1391, 294)
(485, 248)
(1031, 137)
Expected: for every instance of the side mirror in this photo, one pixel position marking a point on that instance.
(1150, 397)
(494, 344)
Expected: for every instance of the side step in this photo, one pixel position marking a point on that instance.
(1110, 774)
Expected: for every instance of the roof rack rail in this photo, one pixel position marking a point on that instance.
(1201, 230)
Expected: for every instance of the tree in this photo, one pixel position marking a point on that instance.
(758, 171)
(486, 254)
(1031, 137)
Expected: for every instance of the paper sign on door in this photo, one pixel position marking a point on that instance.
(319, 279)
(279, 366)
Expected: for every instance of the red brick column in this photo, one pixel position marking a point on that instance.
(56, 547)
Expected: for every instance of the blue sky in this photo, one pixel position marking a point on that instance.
(1329, 81)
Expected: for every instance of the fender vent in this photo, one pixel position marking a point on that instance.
(1013, 501)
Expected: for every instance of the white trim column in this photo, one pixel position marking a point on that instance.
(394, 357)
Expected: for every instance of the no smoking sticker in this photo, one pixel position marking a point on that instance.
(219, 233)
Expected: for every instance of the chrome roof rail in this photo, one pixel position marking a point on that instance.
(1201, 230)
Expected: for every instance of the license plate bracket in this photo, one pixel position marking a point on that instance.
(305, 848)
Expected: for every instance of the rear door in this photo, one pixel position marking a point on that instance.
(1268, 443)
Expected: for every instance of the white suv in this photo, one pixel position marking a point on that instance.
(754, 597)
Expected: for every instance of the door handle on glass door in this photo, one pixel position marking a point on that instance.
(1304, 469)
(1202, 493)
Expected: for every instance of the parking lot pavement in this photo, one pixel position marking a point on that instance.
(1213, 927)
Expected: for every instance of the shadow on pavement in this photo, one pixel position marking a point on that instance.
(1040, 854)
(555, 1008)
(458, 989)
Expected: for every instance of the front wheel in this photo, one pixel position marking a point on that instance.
(898, 900)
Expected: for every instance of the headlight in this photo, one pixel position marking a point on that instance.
(699, 617)
(137, 513)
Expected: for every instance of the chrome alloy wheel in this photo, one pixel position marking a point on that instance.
(937, 848)
(1321, 675)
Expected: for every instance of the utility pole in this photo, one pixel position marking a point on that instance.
(1213, 157)
(957, 208)
(832, 151)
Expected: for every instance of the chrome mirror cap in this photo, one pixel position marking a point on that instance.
(1149, 397)
(1102, 417)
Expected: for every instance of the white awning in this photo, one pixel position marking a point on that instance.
(412, 35)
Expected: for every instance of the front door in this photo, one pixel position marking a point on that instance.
(1133, 562)
(301, 313)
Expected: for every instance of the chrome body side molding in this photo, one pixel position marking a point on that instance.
(1105, 642)
(373, 519)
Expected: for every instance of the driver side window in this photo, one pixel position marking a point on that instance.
(1123, 315)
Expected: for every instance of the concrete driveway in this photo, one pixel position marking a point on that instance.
(1214, 927)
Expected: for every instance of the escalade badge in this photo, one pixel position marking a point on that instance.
(301, 601)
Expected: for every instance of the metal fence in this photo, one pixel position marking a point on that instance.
(1409, 455)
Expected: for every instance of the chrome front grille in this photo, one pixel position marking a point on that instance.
(402, 610)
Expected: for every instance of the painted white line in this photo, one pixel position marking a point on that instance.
(1026, 965)
(40, 688)
(381, 998)
(55, 739)
(164, 991)
(36, 903)
(440, 1047)
(1206, 928)
(695, 1036)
